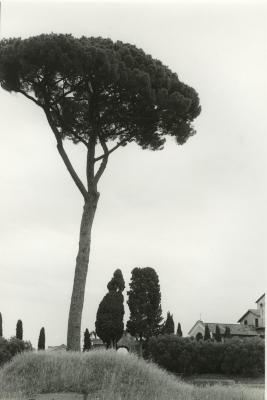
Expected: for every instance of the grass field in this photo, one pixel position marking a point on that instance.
(103, 375)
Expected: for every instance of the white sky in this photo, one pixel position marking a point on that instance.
(195, 213)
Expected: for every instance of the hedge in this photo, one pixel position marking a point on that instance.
(187, 356)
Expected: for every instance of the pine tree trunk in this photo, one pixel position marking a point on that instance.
(82, 260)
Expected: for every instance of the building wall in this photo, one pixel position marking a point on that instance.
(250, 318)
(261, 309)
(198, 328)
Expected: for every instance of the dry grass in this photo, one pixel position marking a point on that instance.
(104, 375)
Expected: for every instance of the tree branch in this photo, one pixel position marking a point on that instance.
(30, 97)
(64, 155)
(104, 162)
(108, 152)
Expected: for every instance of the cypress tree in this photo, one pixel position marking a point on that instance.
(217, 335)
(207, 335)
(19, 330)
(109, 318)
(227, 333)
(41, 340)
(179, 330)
(87, 344)
(1, 325)
(144, 302)
(168, 327)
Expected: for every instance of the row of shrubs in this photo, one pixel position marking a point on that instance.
(9, 348)
(186, 356)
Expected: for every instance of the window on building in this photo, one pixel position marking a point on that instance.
(261, 305)
(245, 322)
(256, 322)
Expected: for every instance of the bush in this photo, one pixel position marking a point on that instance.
(186, 356)
(9, 348)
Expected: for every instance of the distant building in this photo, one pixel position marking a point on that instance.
(252, 323)
(62, 347)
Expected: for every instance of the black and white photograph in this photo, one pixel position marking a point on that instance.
(133, 198)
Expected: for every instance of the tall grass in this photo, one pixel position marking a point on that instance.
(105, 375)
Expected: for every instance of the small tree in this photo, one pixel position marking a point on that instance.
(227, 332)
(144, 302)
(179, 330)
(207, 335)
(109, 318)
(217, 335)
(87, 344)
(168, 327)
(103, 95)
(41, 340)
(19, 330)
(1, 325)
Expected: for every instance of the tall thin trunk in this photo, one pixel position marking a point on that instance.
(82, 260)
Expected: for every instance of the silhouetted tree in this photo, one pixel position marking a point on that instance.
(227, 333)
(179, 330)
(99, 94)
(168, 327)
(144, 303)
(41, 340)
(87, 344)
(1, 325)
(207, 335)
(217, 335)
(109, 317)
(19, 330)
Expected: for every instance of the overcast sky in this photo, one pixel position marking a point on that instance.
(196, 213)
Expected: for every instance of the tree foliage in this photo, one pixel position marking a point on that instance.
(179, 330)
(227, 332)
(1, 325)
(9, 348)
(41, 340)
(207, 335)
(168, 327)
(87, 343)
(217, 335)
(109, 319)
(134, 96)
(19, 330)
(144, 303)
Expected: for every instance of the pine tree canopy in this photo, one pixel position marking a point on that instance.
(19, 330)
(84, 84)
(41, 340)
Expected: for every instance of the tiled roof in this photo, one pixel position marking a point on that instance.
(260, 298)
(253, 311)
(235, 329)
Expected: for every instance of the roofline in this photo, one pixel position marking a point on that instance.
(243, 316)
(260, 298)
(195, 325)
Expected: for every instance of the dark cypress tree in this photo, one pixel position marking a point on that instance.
(103, 95)
(109, 318)
(179, 330)
(168, 327)
(227, 333)
(144, 302)
(87, 344)
(41, 340)
(19, 330)
(207, 335)
(217, 335)
(1, 325)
